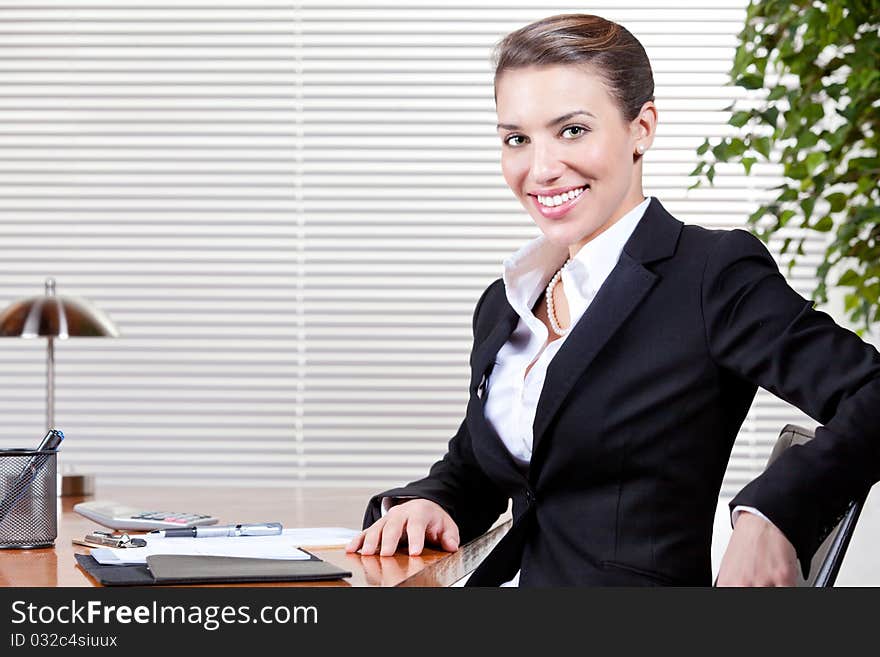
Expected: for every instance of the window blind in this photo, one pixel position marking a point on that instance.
(290, 210)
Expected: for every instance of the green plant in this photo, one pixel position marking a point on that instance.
(820, 119)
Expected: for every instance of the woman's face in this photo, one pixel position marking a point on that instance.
(563, 134)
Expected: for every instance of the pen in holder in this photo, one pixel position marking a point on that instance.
(28, 482)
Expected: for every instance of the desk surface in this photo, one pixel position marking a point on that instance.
(294, 507)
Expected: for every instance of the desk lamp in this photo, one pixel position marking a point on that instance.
(52, 316)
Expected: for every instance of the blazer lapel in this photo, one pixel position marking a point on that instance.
(484, 352)
(655, 238)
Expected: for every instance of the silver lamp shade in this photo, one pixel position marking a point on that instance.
(51, 316)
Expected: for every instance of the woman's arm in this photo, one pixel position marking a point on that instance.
(761, 329)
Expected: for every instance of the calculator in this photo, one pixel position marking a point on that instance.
(121, 516)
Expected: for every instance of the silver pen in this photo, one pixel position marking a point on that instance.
(254, 529)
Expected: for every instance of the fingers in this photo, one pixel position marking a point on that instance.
(355, 543)
(367, 540)
(449, 540)
(417, 521)
(443, 531)
(382, 536)
(391, 533)
(415, 534)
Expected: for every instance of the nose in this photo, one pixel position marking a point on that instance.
(547, 167)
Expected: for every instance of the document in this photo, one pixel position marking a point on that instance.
(281, 546)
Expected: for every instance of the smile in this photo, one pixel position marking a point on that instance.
(557, 205)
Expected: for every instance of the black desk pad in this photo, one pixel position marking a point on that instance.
(180, 569)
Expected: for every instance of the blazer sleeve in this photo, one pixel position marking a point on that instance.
(762, 330)
(456, 482)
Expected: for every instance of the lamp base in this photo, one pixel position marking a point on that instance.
(78, 485)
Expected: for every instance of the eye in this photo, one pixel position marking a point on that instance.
(574, 131)
(514, 140)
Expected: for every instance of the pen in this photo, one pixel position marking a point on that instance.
(29, 472)
(51, 440)
(256, 529)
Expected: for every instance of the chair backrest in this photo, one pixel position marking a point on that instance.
(829, 555)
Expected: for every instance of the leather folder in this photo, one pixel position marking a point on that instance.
(186, 569)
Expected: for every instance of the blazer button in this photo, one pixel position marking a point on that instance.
(530, 497)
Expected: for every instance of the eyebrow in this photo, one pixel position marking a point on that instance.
(564, 117)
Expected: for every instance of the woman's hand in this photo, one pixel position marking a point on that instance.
(758, 554)
(420, 519)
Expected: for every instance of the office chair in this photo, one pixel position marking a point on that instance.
(826, 561)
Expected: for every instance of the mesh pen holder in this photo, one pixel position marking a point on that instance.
(28, 482)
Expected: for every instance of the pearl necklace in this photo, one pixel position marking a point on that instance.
(551, 314)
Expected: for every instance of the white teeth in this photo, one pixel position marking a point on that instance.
(559, 199)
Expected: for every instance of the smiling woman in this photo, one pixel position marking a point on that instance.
(602, 83)
(615, 360)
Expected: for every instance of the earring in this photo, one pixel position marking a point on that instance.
(640, 149)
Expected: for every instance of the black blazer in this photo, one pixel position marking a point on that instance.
(640, 409)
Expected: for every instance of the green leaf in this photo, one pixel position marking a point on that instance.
(739, 119)
(720, 151)
(747, 163)
(813, 112)
(760, 65)
(865, 183)
(795, 170)
(762, 145)
(697, 169)
(807, 205)
(735, 147)
(742, 56)
(836, 138)
(710, 174)
(837, 201)
(750, 81)
(703, 147)
(823, 225)
(807, 139)
(788, 195)
(769, 116)
(850, 278)
(835, 14)
(834, 90)
(850, 301)
(814, 160)
(777, 92)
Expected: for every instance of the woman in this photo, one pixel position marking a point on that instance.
(616, 359)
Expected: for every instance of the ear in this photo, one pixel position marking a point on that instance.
(644, 126)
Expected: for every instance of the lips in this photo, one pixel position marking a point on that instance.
(573, 194)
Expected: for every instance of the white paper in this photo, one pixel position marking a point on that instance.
(282, 546)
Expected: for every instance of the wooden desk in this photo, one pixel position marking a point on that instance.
(294, 507)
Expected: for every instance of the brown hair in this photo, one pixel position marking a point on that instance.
(608, 48)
